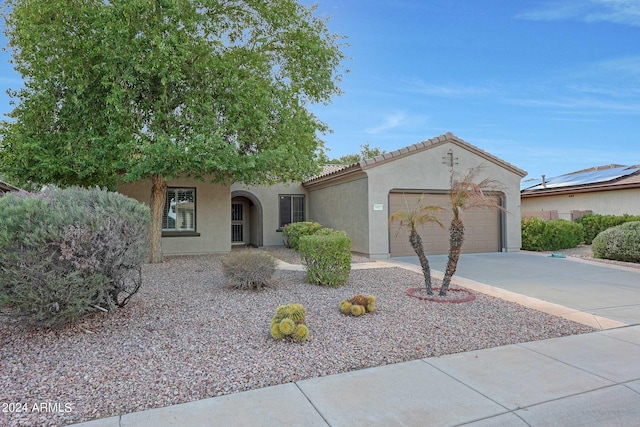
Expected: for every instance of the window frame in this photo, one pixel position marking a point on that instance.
(291, 207)
(176, 232)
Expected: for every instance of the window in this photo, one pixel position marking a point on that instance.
(291, 209)
(179, 213)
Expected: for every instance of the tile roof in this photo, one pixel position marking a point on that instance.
(411, 149)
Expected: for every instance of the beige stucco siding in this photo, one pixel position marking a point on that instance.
(343, 206)
(426, 170)
(213, 219)
(268, 198)
(613, 202)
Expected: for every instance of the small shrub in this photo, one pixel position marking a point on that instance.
(289, 322)
(327, 258)
(67, 252)
(595, 224)
(621, 243)
(358, 305)
(541, 235)
(249, 269)
(294, 231)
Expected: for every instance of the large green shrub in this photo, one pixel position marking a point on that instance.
(327, 257)
(595, 224)
(621, 243)
(541, 235)
(294, 231)
(249, 269)
(67, 252)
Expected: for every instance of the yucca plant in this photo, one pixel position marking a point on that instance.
(411, 219)
(466, 194)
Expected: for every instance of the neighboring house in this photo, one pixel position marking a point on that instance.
(202, 217)
(606, 190)
(6, 188)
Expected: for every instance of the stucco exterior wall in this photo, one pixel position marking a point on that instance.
(426, 170)
(213, 218)
(343, 206)
(268, 197)
(613, 202)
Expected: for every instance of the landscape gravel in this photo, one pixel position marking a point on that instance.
(188, 336)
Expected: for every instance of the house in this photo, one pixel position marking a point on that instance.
(201, 217)
(6, 188)
(607, 190)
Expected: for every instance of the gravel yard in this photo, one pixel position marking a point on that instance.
(186, 336)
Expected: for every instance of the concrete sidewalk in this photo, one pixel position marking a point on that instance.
(581, 380)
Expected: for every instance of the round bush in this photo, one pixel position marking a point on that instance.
(620, 243)
(595, 224)
(67, 252)
(249, 269)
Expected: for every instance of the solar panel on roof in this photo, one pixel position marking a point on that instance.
(587, 177)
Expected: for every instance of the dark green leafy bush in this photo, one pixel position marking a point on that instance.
(328, 258)
(541, 235)
(595, 224)
(294, 231)
(249, 269)
(67, 252)
(621, 243)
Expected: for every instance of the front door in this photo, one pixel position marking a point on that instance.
(237, 223)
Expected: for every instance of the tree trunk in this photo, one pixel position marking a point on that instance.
(416, 243)
(456, 238)
(158, 195)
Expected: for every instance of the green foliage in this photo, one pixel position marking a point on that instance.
(621, 243)
(165, 87)
(249, 269)
(66, 252)
(595, 224)
(294, 231)
(358, 305)
(366, 152)
(125, 90)
(289, 321)
(541, 235)
(327, 257)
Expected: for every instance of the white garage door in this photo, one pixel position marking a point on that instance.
(482, 227)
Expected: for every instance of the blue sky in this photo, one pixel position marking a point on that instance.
(549, 86)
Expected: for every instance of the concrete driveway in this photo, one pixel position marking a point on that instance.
(600, 289)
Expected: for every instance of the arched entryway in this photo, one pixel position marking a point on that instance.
(246, 219)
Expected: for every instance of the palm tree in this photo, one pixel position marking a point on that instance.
(412, 219)
(466, 194)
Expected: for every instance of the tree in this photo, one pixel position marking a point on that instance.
(412, 219)
(366, 152)
(123, 90)
(465, 194)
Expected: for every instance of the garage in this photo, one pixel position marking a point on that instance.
(482, 226)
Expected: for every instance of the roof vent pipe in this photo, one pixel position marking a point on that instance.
(544, 182)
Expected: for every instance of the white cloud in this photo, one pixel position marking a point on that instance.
(449, 91)
(625, 12)
(390, 121)
(584, 105)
